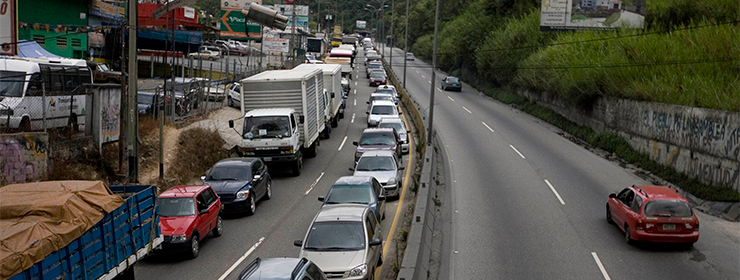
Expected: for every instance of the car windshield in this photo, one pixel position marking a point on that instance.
(230, 172)
(335, 236)
(385, 90)
(385, 138)
(452, 80)
(103, 67)
(383, 110)
(11, 83)
(372, 163)
(266, 127)
(378, 75)
(667, 208)
(360, 194)
(176, 206)
(145, 99)
(395, 125)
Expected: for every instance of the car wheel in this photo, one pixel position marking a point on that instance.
(380, 259)
(211, 59)
(297, 167)
(268, 190)
(335, 121)
(25, 125)
(628, 235)
(609, 215)
(194, 247)
(219, 229)
(252, 206)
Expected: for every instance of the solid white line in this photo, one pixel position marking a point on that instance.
(342, 145)
(466, 109)
(450, 98)
(517, 151)
(355, 91)
(489, 128)
(353, 118)
(241, 259)
(555, 192)
(355, 102)
(314, 183)
(601, 266)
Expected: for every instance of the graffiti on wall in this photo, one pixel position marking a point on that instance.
(665, 154)
(714, 174)
(23, 157)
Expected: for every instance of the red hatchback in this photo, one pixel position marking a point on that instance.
(653, 213)
(187, 214)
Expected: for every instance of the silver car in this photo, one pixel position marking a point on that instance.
(384, 166)
(381, 109)
(400, 127)
(378, 96)
(344, 240)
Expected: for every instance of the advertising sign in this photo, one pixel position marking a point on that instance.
(287, 10)
(189, 12)
(361, 24)
(234, 25)
(8, 40)
(591, 14)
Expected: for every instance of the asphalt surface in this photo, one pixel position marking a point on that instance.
(282, 219)
(503, 220)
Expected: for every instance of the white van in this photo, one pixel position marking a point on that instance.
(26, 82)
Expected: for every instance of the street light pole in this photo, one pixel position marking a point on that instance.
(434, 70)
(393, 17)
(406, 43)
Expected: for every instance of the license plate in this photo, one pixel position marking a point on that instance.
(669, 226)
(267, 159)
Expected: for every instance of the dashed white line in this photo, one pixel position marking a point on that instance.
(355, 102)
(355, 91)
(439, 89)
(517, 151)
(466, 109)
(241, 259)
(601, 266)
(423, 76)
(314, 183)
(342, 145)
(355, 82)
(417, 71)
(450, 98)
(353, 118)
(429, 82)
(555, 192)
(489, 128)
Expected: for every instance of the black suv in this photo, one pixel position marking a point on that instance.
(282, 268)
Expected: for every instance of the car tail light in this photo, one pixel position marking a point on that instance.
(639, 224)
(696, 225)
(448, 84)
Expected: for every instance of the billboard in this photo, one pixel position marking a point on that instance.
(361, 24)
(234, 25)
(8, 39)
(591, 14)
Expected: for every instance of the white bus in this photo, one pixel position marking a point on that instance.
(26, 82)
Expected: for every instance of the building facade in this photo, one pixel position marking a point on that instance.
(57, 25)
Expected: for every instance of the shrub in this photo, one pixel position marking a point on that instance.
(667, 14)
(198, 149)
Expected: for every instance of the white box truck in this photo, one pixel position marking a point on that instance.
(333, 86)
(282, 116)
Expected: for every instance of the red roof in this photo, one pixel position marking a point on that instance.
(183, 191)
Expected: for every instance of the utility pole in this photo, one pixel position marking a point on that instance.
(434, 70)
(292, 38)
(132, 130)
(393, 17)
(318, 17)
(406, 44)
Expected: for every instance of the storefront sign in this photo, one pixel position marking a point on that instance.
(8, 40)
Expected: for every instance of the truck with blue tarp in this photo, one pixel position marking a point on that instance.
(76, 230)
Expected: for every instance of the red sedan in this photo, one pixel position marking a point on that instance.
(653, 213)
(378, 78)
(188, 214)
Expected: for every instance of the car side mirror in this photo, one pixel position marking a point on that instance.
(256, 177)
(367, 113)
(612, 195)
(381, 198)
(375, 242)
(321, 198)
(367, 102)
(355, 143)
(298, 243)
(202, 178)
(301, 119)
(402, 168)
(204, 211)
(352, 169)
(231, 123)
(400, 113)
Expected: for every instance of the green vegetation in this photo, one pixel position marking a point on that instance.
(198, 149)
(612, 19)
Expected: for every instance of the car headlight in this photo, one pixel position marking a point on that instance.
(359, 270)
(391, 181)
(248, 153)
(242, 195)
(179, 238)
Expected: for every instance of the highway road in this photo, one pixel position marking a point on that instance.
(282, 219)
(526, 203)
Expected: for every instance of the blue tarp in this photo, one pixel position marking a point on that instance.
(32, 49)
(181, 36)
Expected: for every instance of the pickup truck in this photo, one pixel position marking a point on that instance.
(107, 250)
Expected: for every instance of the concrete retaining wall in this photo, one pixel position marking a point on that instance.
(700, 142)
(23, 157)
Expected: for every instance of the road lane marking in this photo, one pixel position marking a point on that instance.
(555, 192)
(439, 89)
(422, 76)
(241, 259)
(517, 151)
(429, 82)
(355, 102)
(355, 82)
(342, 145)
(601, 266)
(489, 128)
(314, 183)
(466, 109)
(355, 91)
(353, 118)
(450, 98)
(417, 71)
